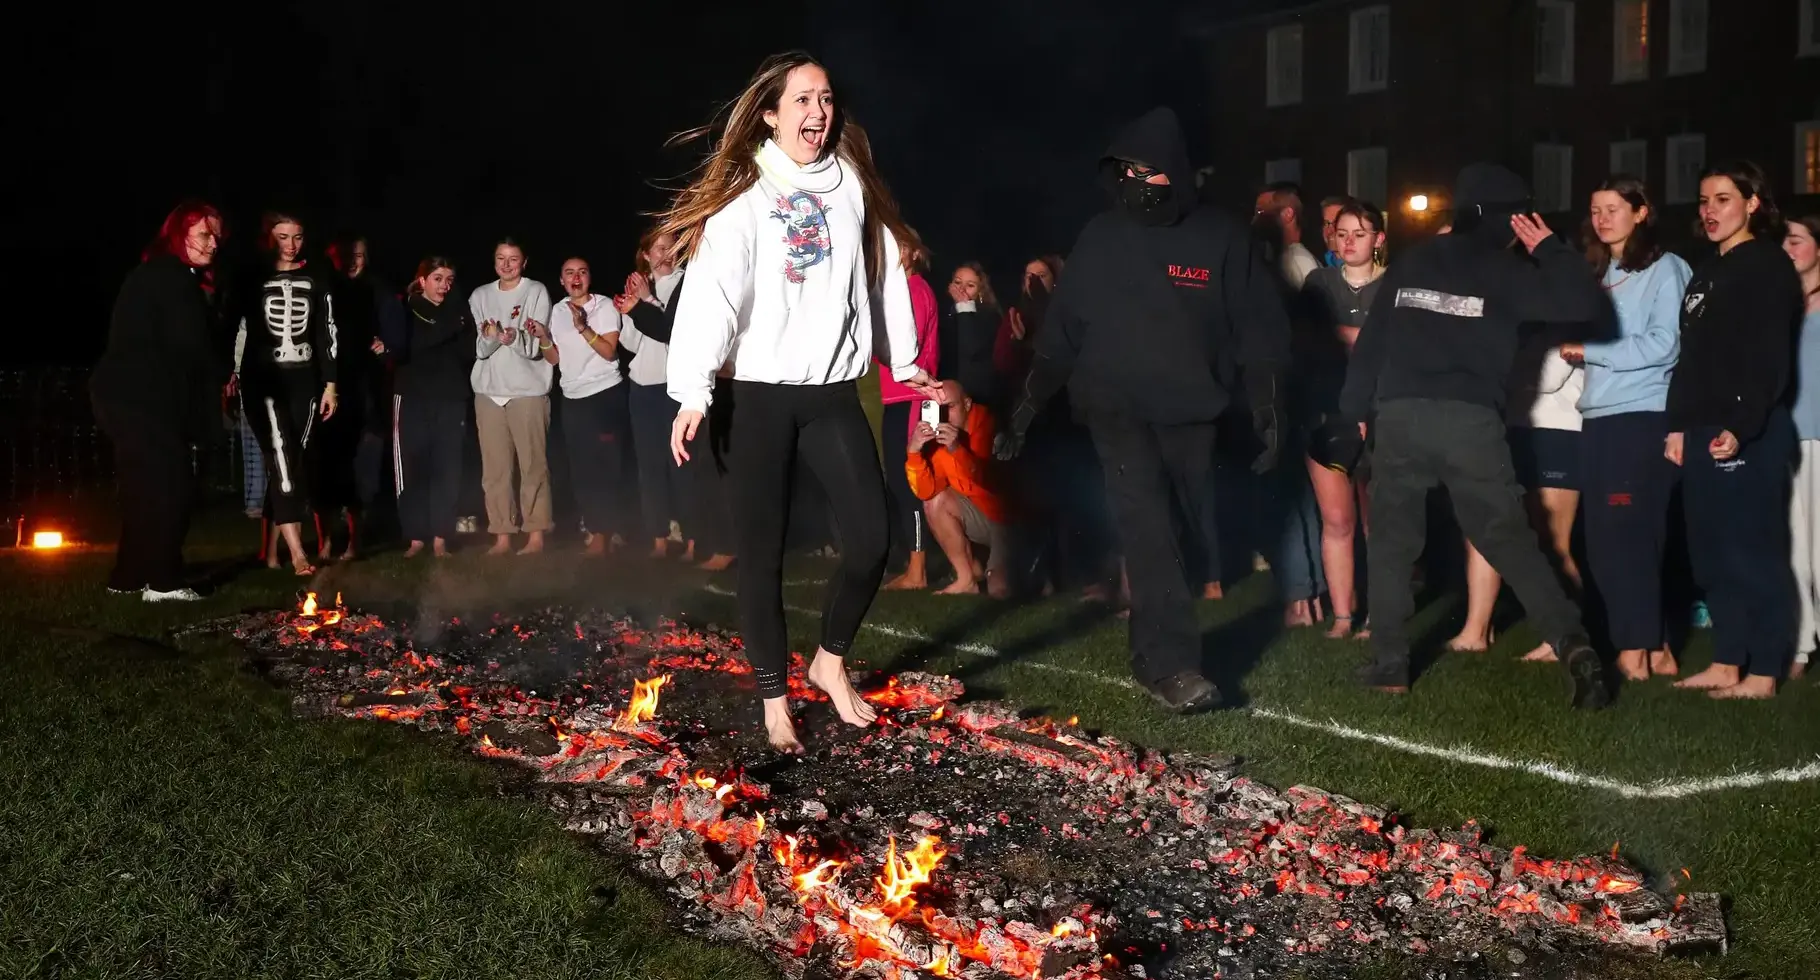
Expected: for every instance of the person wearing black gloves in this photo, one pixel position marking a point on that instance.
(1432, 361)
(1164, 302)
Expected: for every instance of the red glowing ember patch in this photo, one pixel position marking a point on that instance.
(953, 839)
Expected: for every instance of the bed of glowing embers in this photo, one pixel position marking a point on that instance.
(955, 838)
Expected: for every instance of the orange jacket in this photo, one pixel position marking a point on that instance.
(967, 468)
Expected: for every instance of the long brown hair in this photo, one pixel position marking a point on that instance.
(1645, 244)
(731, 168)
(429, 265)
(988, 298)
(646, 242)
(1750, 181)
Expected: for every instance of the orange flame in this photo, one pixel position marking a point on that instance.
(902, 874)
(643, 706)
(309, 604)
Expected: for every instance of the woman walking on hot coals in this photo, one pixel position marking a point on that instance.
(155, 392)
(1623, 407)
(1340, 296)
(1730, 432)
(796, 279)
(284, 361)
(1799, 243)
(430, 398)
(583, 340)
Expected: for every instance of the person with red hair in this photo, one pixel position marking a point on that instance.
(155, 391)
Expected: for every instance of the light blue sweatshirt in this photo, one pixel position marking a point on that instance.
(1630, 373)
(1807, 379)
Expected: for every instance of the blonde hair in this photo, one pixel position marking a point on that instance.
(730, 168)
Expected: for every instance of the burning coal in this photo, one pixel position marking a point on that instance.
(955, 839)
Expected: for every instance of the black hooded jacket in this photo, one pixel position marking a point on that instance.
(1445, 322)
(1159, 311)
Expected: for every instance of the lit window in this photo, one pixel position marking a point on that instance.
(1554, 42)
(1367, 175)
(1283, 65)
(1630, 157)
(1686, 158)
(1630, 40)
(1370, 50)
(1807, 157)
(1553, 177)
(1686, 37)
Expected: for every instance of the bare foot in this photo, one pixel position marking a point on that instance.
(502, 545)
(303, 569)
(534, 545)
(1097, 592)
(829, 673)
(440, 547)
(717, 563)
(660, 548)
(1797, 670)
(322, 551)
(998, 584)
(1712, 678)
(1543, 654)
(347, 555)
(688, 554)
(1634, 664)
(1341, 628)
(1663, 662)
(779, 729)
(962, 586)
(1213, 590)
(1297, 614)
(414, 550)
(1468, 643)
(597, 546)
(1754, 687)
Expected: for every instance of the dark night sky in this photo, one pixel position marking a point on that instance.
(438, 127)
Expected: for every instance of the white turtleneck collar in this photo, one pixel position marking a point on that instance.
(820, 177)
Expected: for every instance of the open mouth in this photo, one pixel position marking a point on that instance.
(813, 133)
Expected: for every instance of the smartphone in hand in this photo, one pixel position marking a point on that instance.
(932, 412)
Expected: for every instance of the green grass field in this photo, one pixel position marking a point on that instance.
(162, 814)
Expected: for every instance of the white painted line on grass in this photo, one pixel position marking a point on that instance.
(1661, 789)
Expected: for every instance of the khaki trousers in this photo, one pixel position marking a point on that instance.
(514, 434)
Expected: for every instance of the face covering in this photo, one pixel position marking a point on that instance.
(1141, 197)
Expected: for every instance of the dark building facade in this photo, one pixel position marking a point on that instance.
(1387, 99)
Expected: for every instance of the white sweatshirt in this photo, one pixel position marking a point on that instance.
(777, 290)
(1551, 400)
(503, 372)
(583, 371)
(649, 355)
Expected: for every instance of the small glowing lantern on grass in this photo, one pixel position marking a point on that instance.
(47, 540)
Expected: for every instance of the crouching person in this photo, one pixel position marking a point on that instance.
(951, 470)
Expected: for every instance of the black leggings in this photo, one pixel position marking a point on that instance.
(653, 412)
(906, 510)
(770, 428)
(283, 418)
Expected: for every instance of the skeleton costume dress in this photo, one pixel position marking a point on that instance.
(285, 353)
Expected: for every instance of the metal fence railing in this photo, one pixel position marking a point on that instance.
(55, 455)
